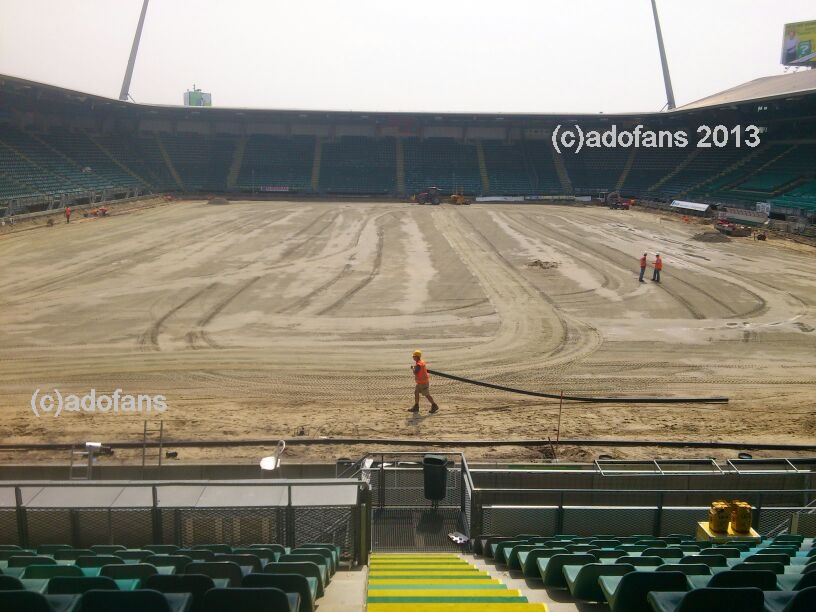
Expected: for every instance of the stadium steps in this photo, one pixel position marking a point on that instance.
(400, 156)
(237, 160)
(316, 160)
(438, 583)
(626, 168)
(121, 165)
(680, 167)
(480, 156)
(169, 163)
(759, 169)
(561, 170)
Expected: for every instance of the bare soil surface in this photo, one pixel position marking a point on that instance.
(278, 319)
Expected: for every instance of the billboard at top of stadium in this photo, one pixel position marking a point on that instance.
(799, 44)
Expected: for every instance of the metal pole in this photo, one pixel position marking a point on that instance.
(123, 94)
(663, 62)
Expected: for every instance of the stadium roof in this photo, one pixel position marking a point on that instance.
(765, 88)
(788, 86)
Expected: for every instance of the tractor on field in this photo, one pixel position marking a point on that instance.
(430, 196)
(616, 202)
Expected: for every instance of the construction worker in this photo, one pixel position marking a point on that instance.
(658, 266)
(642, 268)
(67, 214)
(420, 370)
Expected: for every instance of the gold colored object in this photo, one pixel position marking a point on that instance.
(719, 515)
(740, 516)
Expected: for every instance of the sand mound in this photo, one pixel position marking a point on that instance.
(218, 201)
(711, 237)
(544, 265)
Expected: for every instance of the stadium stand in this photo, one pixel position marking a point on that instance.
(277, 164)
(115, 579)
(201, 161)
(441, 162)
(353, 164)
(595, 170)
(545, 177)
(508, 168)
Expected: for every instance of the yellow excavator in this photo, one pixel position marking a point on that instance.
(459, 199)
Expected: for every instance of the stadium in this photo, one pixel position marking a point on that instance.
(209, 315)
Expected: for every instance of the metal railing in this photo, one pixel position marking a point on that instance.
(187, 513)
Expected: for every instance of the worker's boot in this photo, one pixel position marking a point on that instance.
(414, 408)
(434, 408)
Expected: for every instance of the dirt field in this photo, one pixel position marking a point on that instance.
(278, 319)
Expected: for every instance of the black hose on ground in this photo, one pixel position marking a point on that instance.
(589, 398)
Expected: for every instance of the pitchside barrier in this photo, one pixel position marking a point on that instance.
(378, 503)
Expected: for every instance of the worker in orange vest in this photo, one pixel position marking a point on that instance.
(658, 266)
(420, 370)
(642, 268)
(67, 214)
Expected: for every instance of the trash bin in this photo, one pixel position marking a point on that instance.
(435, 473)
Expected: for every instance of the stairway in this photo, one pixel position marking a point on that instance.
(400, 158)
(626, 168)
(428, 582)
(110, 156)
(318, 156)
(237, 160)
(680, 167)
(169, 163)
(561, 170)
(482, 167)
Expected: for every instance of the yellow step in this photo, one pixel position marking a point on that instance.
(452, 593)
(385, 580)
(457, 607)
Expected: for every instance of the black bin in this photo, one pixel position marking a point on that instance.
(435, 473)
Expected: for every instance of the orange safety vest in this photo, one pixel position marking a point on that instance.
(67, 212)
(421, 373)
(658, 264)
(643, 262)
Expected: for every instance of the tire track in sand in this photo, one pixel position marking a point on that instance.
(149, 340)
(194, 336)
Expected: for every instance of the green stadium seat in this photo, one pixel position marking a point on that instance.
(582, 580)
(178, 562)
(129, 571)
(217, 569)
(25, 561)
(98, 560)
(772, 566)
(194, 584)
(664, 553)
(135, 601)
(162, 549)
(221, 549)
(134, 554)
(310, 570)
(107, 549)
(10, 583)
(709, 560)
(71, 585)
(551, 568)
(628, 593)
(252, 561)
(697, 600)
(5, 555)
(251, 600)
(72, 554)
(28, 601)
(689, 569)
(763, 579)
(642, 561)
(791, 601)
(796, 582)
(318, 560)
(196, 554)
(327, 553)
(529, 560)
(50, 549)
(49, 571)
(288, 583)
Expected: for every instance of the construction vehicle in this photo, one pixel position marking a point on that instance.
(430, 196)
(459, 199)
(614, 201)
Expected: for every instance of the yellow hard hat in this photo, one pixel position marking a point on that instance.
(417, 353)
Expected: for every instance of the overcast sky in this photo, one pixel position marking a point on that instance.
(438, 55)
